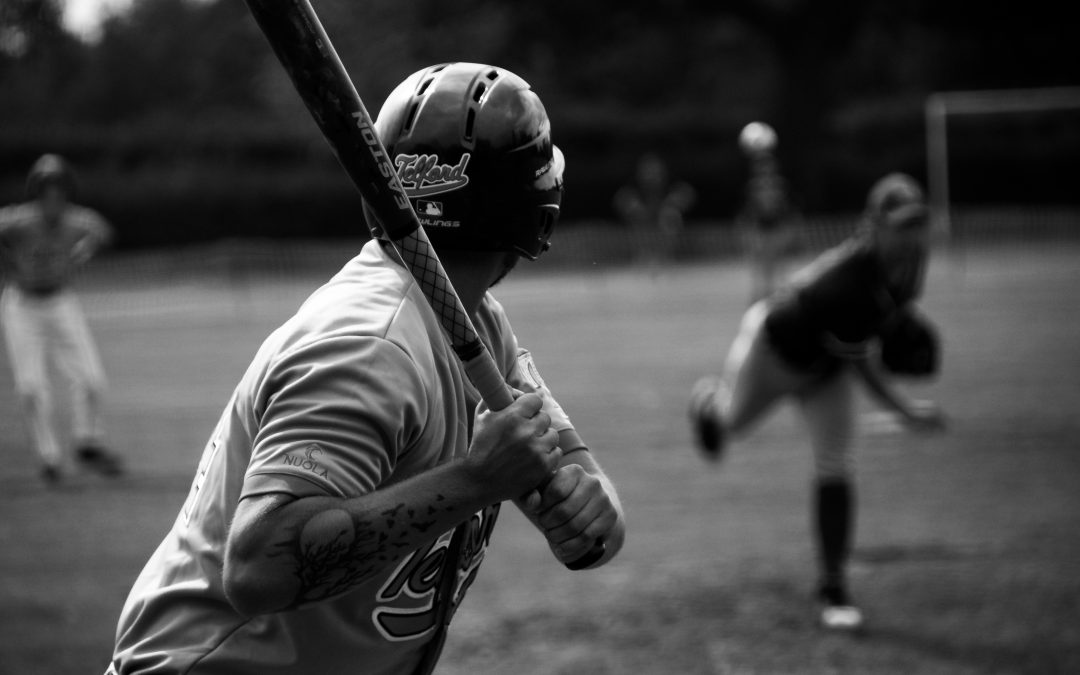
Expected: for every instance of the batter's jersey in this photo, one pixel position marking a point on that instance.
(41, 258)
(358, 390)
(834, 307)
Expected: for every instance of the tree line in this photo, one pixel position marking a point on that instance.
(185, 128)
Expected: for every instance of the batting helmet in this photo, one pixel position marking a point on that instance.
(472, 147)
(49, 170)
(896, 200)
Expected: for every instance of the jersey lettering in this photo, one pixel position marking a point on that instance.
(425, 175)
(418, 575)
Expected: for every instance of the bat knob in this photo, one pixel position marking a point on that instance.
(595, 553)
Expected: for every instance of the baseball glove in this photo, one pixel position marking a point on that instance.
(910, 344)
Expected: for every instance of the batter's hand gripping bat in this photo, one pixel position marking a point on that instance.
(303, 48)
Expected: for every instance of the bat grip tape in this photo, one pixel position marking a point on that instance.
(485, 376)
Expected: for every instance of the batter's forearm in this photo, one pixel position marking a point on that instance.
(580, 455)
(613, 543)
(315, 548)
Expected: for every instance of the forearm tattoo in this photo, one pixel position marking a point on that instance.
(333, 551)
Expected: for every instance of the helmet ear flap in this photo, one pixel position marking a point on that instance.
(543, 217)
(547, 193)
(546, 216)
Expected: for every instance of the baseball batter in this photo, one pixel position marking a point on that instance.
(344, 501)
(810, 341)
(43, 243)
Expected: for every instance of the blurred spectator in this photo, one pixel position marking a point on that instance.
(653, 207)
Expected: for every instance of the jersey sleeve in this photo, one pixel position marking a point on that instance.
(335, 417)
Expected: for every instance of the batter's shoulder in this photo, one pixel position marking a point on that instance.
(89, 220)
(494, 327)
(492, 320)
(492, 306)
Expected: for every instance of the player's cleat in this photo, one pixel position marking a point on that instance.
(50, 475)
(837, 611)
(841, 617)
(705, 416)
(100, 460)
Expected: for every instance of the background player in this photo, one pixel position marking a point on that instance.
(344, 501)
(653, 206)
(809, 342)
(43, 243)
(768, 221)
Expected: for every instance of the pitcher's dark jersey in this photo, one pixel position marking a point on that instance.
(836, 306)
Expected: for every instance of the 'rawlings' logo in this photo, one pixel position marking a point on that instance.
(423, 175)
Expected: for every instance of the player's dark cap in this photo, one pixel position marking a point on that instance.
(896, 201)
(49, 169)
(472, 146)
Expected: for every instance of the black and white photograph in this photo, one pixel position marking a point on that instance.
(405, 337)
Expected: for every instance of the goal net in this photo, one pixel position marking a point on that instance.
(1004, 162)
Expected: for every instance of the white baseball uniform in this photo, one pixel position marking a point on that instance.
(42, 319)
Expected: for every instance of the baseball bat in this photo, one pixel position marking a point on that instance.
(311, 62)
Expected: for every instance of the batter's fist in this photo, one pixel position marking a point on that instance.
(514, 449)
(574, 512)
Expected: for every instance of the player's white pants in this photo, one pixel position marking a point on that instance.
(44, 331)
(757, 378)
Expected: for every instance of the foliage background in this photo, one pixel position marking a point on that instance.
(186, 129)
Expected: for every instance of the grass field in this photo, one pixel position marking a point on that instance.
(968, 548)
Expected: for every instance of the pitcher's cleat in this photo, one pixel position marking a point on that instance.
(100, 460)
(705, 416)
(837, 611)
(50, 475)
(841, 617)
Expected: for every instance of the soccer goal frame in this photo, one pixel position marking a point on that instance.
(940, 106)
